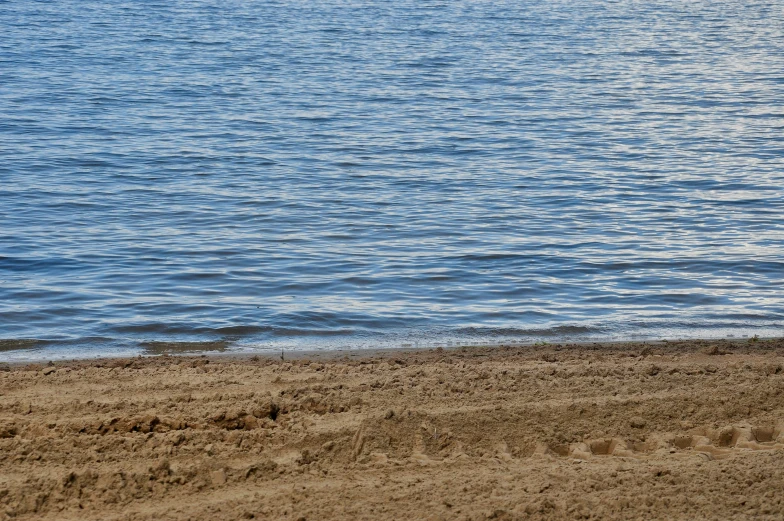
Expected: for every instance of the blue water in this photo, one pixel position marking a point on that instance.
(364, 173)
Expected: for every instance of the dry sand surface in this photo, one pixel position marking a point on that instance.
(678, 430)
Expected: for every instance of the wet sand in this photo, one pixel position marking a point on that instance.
(677, 430)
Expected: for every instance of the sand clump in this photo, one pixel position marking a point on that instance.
(674, 430)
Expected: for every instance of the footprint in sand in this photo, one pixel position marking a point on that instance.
(711, 443)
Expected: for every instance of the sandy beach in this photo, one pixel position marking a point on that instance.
(666, 430)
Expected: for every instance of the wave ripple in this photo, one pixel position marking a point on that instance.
(289, 174)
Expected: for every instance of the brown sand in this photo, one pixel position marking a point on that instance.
(679, 430)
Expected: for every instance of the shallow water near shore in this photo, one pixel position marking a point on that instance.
(291, 175)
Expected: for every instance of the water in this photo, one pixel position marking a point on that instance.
(362, 173)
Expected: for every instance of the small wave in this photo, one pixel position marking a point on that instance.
(294, 332)
(530, 332)
(161, 328)
(15, 344)
(242, 330)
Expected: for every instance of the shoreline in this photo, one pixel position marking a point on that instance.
(675, 429)
(221, 350)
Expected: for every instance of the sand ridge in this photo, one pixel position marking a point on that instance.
(676, 430)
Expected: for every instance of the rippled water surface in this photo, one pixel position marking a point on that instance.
(366, 173)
